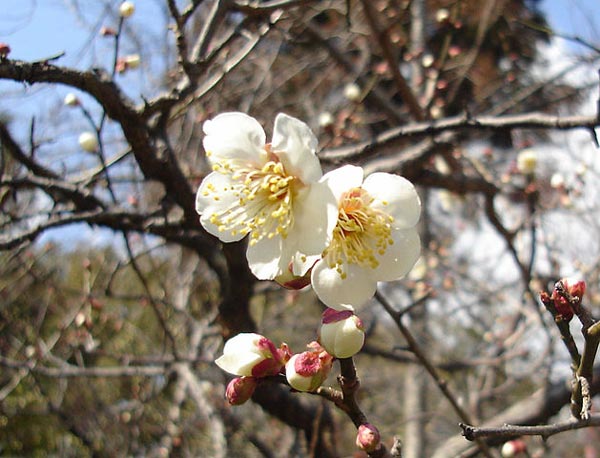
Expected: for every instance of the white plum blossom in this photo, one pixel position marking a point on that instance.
(375, 238)
(250, 354)
(271, 192)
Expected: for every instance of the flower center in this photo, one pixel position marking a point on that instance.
(263, 207)
(361, 232)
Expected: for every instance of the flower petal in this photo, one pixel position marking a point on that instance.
(238, 363)
(234, 136)
(344, 178)
(267, 258)
(400, 257)
(342, 294)
(242, 343)
(215, 195)
(315, 216)
(295, 145)
(396, 196)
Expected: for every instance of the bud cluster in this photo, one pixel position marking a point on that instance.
(566, 297)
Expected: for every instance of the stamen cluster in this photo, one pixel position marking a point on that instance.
(361, 232)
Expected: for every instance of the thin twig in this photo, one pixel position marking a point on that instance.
(545, 431)
(433, 372)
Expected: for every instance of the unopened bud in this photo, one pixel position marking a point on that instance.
(442, 15)
(427, 60)
(306, 371)
(326, 119)
(454, 51)
(132, 61)
(126, 9)
(527, 161)
(512, 448)
(368, 438)
(88, 142)
(574, 288)
(252, 354)
(71, 100)
(4, 50)
(107, 31)
(557, 181)
(240, 389)
(341, 333)
(352, 92)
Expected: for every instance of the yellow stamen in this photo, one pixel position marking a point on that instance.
(264, 199)
(361, 233)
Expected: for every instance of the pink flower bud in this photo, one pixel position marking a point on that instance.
(576, 289)
(368, 437)
(341, 333)
(251, 354)
(306, 371)
(107, 31)
(121, 65)
(4, 50)
(240, 389)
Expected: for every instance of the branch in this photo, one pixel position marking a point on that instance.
(545, 431)
(390, 56)
(59, 190)
(70, 371)
(255, 8)
(100, 86)
(535, 121)
(533, 410)
(429, 367)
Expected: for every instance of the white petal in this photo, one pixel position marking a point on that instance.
(344, 178)
(242, 343)
(400, 257)
(239, 363)
(348, 339)
(302, 263)
(315, 216)
(396, 196)
(295, 145)
(267, 259)
(234, 136)
(206, 205)
(342, 294)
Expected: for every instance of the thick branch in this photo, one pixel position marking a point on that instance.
(99, 85)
